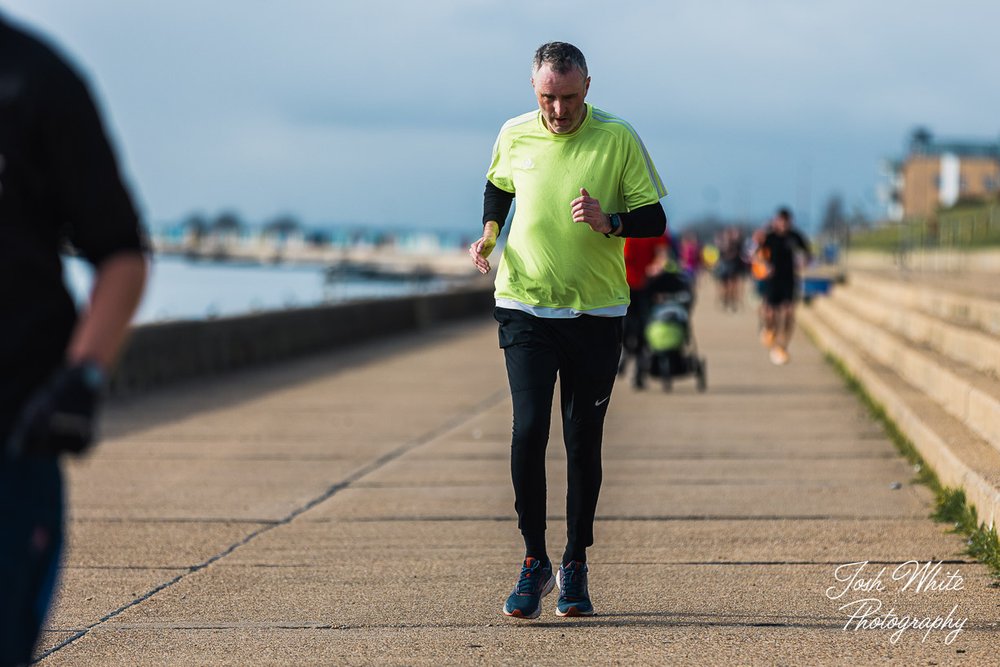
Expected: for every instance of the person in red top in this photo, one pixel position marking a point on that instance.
(644, 257)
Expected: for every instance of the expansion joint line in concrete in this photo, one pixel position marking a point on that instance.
(425, 438)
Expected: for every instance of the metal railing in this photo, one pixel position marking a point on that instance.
(957, 228)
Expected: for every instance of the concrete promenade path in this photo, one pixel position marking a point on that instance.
(356, 508)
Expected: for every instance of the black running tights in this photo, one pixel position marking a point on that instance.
(583, 352)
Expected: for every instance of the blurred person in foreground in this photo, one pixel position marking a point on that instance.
(780, 285)
(583, 182)
(59, 188)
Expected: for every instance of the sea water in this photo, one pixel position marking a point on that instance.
(179, 288)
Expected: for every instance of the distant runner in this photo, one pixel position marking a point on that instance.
(690, 257)
(730, 269)
(779, 249)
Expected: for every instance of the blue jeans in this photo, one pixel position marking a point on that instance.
(31, 538)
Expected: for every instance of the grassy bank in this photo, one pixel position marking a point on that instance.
(951, 506)
(960, 227)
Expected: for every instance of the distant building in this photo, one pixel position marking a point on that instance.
(937, 174)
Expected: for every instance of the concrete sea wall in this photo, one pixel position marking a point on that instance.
(158, 354)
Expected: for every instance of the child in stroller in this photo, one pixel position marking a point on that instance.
(670, 350)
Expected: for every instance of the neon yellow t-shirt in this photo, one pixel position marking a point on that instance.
(552, 266)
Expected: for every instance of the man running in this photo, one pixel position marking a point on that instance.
(59, 183)
(779, 249)
(584, 181)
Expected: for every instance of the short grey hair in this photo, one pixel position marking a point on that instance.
(561, 56)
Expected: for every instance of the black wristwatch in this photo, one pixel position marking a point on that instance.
(616, 222)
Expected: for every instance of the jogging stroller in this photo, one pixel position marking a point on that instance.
(670, 346)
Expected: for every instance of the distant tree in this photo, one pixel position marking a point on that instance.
(858, 220)
(834, 223)
(226, 224)
(282, 226)
(319, 237)
(195, 226)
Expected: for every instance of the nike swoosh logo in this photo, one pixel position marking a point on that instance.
(601, 402)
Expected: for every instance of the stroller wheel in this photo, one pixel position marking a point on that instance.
(665, 375)
(700, 372)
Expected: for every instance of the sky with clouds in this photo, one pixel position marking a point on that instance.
(383, 112)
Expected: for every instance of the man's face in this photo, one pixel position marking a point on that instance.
(779, 224)
(561, 97)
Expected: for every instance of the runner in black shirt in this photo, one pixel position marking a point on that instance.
(779, 249)
(59, 189)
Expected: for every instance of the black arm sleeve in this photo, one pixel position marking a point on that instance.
(496, 204)
(645, 221)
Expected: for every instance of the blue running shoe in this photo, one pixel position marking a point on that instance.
(574, 596)
(536, 581)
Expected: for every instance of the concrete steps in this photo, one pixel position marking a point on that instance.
(928, 354)
(931, 359)
(974, 302)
